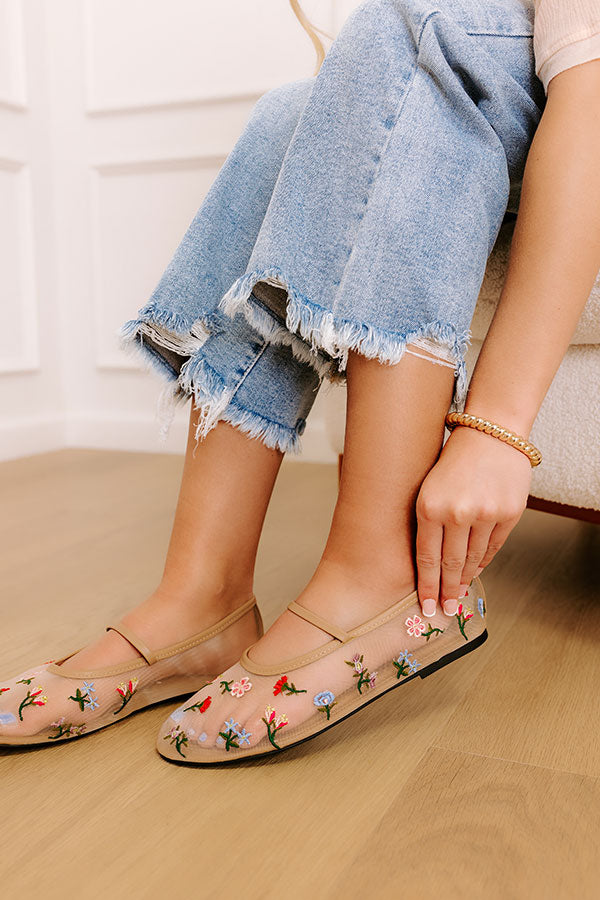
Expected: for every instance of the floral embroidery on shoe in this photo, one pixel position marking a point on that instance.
(244, 737)
(481, 607)
(201, 705)
(361, 672)
(405, 664)
(65, 729)
(325, 701)
(283, 686)
(463, 614)
(33, 698)
(274, 724)
(431, 631)
(2, 689)
(415, 626)
(80, 698)
(239, 688)
(230, 734)
(178, 737)
(92, 701)
(225, 686)
(25, 680)
(126, 692)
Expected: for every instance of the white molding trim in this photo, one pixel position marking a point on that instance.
(96, 105)
(29, 359)
(118, 361)
(16, 98)
(29, 436)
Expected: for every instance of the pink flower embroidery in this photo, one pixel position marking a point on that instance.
(358, 663)
(415, 626)
(239, 688)
(273, 723)
(33, 698)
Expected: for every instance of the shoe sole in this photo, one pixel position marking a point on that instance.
(428, 670)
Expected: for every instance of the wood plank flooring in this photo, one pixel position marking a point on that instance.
(482, 781)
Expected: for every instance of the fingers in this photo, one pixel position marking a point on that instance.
(497, 538)
(479, 540)
(454, 551)
(428, 558)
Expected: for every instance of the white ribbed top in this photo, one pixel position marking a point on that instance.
(566, 33)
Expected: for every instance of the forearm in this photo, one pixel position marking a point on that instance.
(554, 259)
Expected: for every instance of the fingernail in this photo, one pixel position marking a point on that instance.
(450, 607)
(429, 608)
(463, 591)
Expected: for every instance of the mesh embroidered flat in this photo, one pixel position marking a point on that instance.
(255, 710)
(45, 704)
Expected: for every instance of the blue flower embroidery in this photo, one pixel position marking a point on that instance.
(244, 737)
(324, 698)
(90, 690)
(231, 725)
(481, 607)
(413, 665)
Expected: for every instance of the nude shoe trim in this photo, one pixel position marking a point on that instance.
(339, 636)
(135, 641)
(309, 616)
(164, 653)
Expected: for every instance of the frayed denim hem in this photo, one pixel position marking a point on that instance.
(309, 329)
(196, 379)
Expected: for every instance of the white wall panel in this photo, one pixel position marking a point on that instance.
(140, 211)
(147, 53)
(18, 335)
(12, 55)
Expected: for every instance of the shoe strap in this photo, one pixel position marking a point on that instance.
(136, 641)
(309, 616)
(340, 637)
(153, 656)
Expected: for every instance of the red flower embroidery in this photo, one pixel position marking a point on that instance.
(204, 706)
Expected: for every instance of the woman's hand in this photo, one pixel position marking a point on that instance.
(467, 506)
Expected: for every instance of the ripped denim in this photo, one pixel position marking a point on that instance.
(356, 212)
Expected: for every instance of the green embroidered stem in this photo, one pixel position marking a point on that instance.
(229, 737)
(25, 681)
(427, 634)
(80, 698)
(402, 668)
(271, 731)
(287, 688)
(226, 686)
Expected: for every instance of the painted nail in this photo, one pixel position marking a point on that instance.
(429, 608)
(450, 607)
(463, 591)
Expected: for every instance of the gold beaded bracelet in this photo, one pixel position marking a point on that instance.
(503, 434)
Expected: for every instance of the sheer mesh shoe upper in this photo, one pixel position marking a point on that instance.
(253, 709)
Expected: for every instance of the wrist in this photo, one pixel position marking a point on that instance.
(514, 419)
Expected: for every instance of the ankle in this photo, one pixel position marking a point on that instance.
(205, 597)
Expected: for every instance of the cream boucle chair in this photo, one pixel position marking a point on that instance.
(567, 428)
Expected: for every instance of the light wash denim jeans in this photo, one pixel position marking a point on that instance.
(371, 194)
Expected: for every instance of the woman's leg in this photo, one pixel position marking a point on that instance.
(225, 489)
(394, 432)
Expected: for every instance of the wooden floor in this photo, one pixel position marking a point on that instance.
(482, 781)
